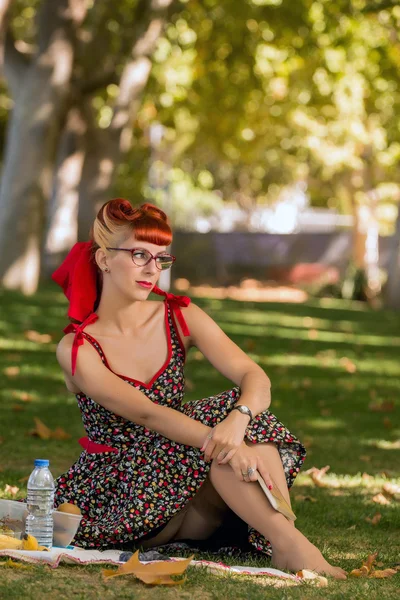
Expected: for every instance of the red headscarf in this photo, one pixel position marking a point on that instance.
(77, 276)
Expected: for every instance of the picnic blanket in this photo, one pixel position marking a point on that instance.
(80, 556)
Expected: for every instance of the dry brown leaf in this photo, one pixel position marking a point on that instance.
(365, 458)
(319, 580)
(326, 412)
(23, 479)
(1, 439)
(348, 364)
(41, 430)
(157, 573)
(380, 499)
(11, 371)
(11, 489)
(363, 572)
(391, 489)
(35, 336)
(384, 573)
(23, 396)
(316, 476)
(375, 519)
(60, 434)
(45, 433)
(381, 406)
(17, 408)
(387, 423)
(301, 498)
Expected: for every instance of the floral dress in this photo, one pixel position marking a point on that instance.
(129, 481)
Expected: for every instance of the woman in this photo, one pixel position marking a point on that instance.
(154, 470)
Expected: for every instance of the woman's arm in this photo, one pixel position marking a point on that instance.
(229, 360)
(109, 390)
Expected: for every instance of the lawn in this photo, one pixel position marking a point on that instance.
(335, 372)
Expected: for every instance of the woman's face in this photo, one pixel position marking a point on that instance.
(135, 281)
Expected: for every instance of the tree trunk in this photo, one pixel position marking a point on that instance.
(105, 147)
(61, 229)
(32, 134)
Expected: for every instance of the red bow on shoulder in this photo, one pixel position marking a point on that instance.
(78, 339)
(176, 302)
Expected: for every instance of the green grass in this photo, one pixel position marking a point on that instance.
(327, 360)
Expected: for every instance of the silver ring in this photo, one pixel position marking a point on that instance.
(224, 454)
(250, 471)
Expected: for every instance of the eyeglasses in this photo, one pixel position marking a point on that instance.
(142, 257)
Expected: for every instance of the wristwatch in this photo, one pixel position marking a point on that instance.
(244, 410)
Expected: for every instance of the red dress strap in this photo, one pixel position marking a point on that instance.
(79, 338)
(176, 302)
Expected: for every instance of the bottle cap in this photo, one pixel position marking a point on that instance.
(41, 462)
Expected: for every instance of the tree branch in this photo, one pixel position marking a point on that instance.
(375, 8)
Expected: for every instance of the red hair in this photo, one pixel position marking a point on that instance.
(117, 219)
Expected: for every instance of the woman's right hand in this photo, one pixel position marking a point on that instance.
(247, 457)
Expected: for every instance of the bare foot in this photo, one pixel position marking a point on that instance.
(302, 554)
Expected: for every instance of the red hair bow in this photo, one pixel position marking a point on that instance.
(77, 277)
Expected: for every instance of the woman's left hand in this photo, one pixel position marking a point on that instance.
(225, 438)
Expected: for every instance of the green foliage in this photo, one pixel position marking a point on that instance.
(258, 93)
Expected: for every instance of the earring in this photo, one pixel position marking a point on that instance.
(106, 270)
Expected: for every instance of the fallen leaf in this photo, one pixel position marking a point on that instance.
(23, 396)
(348, 364)
(45, 433)
(351, 527)
(326, 412)
(1, 439)
(60, 434)
(23, 479)
(363, 572)
(387, 423)
(11, 371)
(391, 489)
(11, 489)
(319, 580)
(384, 573)
(14, 565)
(306, 383)
(313, 334)
(301, 498)
(17, 408)
(41, 430)
(375, 519)
(365, 458)
(316, 476)
(35, 336)
(380, 499)
(381, 406)
(156, 573)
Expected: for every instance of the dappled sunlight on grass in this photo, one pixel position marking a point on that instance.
(328, 361)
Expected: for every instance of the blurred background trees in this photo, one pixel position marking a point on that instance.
(197, 105)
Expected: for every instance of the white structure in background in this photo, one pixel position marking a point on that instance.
(290, 214)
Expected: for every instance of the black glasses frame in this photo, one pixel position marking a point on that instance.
(132, 250)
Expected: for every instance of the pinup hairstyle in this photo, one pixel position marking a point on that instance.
(117, 220)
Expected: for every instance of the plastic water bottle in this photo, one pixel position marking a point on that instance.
(40, 503)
